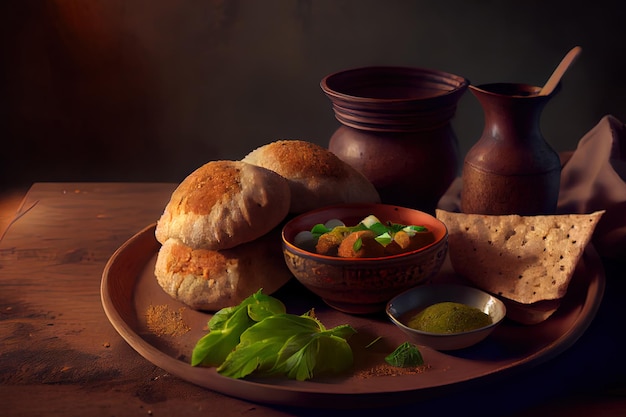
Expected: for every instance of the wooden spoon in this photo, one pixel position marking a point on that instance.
(565, 63)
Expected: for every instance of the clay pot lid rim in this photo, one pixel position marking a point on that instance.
(532, 90)
(459, 83)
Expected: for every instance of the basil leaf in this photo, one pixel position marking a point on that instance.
(228, 324)
(334, 355)
(291, 345)
(406, 355)
(215, 346)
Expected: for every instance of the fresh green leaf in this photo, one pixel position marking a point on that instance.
(406, 355)
(334, 355)
(261, 343)
(215, 346)
(290, 345)
(220, 318)
(357, 245)
(319, 229)
(308, 354)
(228, 324)
(297, 358)
(262, 306)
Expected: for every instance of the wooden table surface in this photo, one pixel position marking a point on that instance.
(59, 355)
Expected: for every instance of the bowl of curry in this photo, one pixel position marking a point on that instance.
(361, 278)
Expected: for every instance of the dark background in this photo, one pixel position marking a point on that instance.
(148, 90)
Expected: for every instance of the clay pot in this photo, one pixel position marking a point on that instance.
(395, 129)
(511, 169)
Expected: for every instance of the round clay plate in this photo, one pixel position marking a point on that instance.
(164, 332)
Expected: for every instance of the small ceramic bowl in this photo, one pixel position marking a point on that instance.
(410, 302)
(363, 285)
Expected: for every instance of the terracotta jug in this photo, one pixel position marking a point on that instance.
(511, 169)
(395, 129)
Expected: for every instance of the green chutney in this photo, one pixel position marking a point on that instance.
(449, 317)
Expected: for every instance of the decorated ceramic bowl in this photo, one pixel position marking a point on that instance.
(363, 285)
(407, 304)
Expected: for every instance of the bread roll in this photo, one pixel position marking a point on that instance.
(210, 280)
(316, 176)
(223, 204)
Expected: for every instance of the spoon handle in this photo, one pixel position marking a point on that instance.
(565, 63)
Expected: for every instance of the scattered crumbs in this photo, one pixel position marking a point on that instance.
(163, 321)
(388, 370)
(106, 344)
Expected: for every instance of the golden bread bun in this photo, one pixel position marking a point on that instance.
(223, 204)
(210, 280)
(316, 176)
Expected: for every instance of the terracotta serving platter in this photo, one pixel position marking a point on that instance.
(164, 332)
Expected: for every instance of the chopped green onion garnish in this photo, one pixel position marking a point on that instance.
(379, 228)
(384, 239)
(370, 220)
(319, 229)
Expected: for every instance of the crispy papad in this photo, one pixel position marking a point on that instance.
(527, 259)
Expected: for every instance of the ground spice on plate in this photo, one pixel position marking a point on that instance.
(163, 321)
(388, 370)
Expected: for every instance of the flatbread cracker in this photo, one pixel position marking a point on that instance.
(526, 259)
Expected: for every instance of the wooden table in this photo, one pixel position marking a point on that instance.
(59, 355)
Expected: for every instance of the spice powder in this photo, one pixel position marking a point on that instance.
(163, 321)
